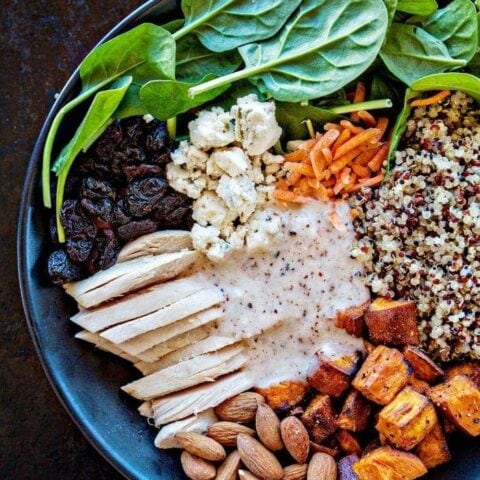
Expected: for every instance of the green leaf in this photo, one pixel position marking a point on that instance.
(474, 64)
(456, 26)
(391, 9)
(417, 7)
(323, 47)
(238, 90)
(157, 97)
(469, 84)
(223, 25)
(131, 104)
(292, 116)
(380, 88)
(145, 51)
(411, 53)
(96, 121)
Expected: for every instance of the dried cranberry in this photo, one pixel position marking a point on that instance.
(136, 228)
(61, 269)
(157, 137)
(144, 195)
(74, 222)
(78, 249)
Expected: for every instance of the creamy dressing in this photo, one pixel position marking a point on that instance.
(288, 292)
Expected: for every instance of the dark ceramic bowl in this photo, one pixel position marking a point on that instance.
(86, 380)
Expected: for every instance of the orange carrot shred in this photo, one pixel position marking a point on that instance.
(360, 170)
(285, 196)
(334, 219)
(296, 156)
(344, 136)
(423, 102)
(362, 138)
(382, 124)
(301, 168)
(332, 126)
(367, 118)
(360, 93)
(366, 156)
(377, 161)
(350, 126)
(327, 155)
(293, 178)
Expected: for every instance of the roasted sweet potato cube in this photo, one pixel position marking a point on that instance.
(369, 347)
(345, 468)
(355, 412)
(423, 366)
(333, 451)
(470, 369)
(386, 463)
(348, 443)
(331, 375)
(459, 401)
(319, 418)
(383, 374)
(433, 449)
(392, 322)
(284, 396)
(420, 386)
(407, 420)
(352, 320)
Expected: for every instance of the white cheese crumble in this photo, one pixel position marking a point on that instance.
(227, 168)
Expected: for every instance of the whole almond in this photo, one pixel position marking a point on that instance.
(240, 409)
(258, 459)
(201, 446)
(322, 466)
(229, 468)
(226, 433)
(296, 439)
(267, 425)
(295, 472)
(197, 468)
(244, 475)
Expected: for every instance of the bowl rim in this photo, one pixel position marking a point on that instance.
(22, 269)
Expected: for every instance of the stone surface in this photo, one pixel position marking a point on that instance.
(42, 41)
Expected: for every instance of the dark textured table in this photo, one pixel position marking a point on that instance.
(41, 42)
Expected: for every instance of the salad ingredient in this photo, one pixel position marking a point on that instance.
(410, 53)
(61, 269)
(226, 433)
(355, 413)
(295, 438)
(267, 425)
(285, 396)
(201, 446)
(307, 58)
(457, 27)
(464, 82)
(144, 50)
(197, 468)
(423, 366)
(351, 320)
(424, 102)
(433, 449)
(227, 24)
(417, 7)
(322, 465)
(418, 233)
(319, 418)
(229, 468)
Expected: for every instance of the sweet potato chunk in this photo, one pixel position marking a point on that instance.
(470, 369)
(386, 463)
(345, 468)
(433, 449)
(392, 322)
(423, 366)
(383, 374)
(459, 400)
(284, 396)
(351, 320)
(355, 413)
(407, 420)
(331, 375)
(319, 418)
(418, 385)
(332, 451)
(348, 443)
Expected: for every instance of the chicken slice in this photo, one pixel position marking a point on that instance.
(105, 345)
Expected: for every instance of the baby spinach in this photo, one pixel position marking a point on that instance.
(145, 51)
(223, 25)
(157, 97)
(457, 27)
(474, 64)
(324, 46)
(417, 7)
(391, 9)
(411, 53)
(96, 121)
(131, 104)
(470, 84)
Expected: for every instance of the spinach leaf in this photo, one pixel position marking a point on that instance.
(474, 64)
(145, 51)
(157, 97)
(292, 116)
(411, 53)
(131, 104)
(470, 84)
(456, 26)
(223, 25)
(323, 47)
(391, 9)
(417, 7)
(238, 90)
(96, 121)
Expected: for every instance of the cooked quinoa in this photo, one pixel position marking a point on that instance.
(419, 233)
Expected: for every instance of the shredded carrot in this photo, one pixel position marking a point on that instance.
(350, 126)
(293, 178)
(327, 155)
(301, 168)
(360, 170)
(344, 136)
(363, 138)
(332, 126)
(367, 118)
(369, 182)
(376, 163)
(343, 161)
(423, 102)
(382, 124)
(285, 196)
(334, 219)
(360, 93)
(296, 156)
(366, 156)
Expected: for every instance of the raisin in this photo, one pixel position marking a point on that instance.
(120, 213)
(179, 218)
(133, 172)
(61, 269)
(95, 189)
(170, 210)
(144, 195)
(157, 137)
(108, 142)
(161, 159)
(136, 229)
(74, 222)
(101, 211)
(134, 155)
(133, 131)
(78, 249)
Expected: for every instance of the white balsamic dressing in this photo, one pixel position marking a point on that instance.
(283, 295)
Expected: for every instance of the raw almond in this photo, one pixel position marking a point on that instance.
(296, 439)
(258, 459)
(267, 425)
(201, 446)
(322, 466)
(244, 475)
(197, 468)
(240, 409)
(295, 472)
(229, 468)
(226, 433)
